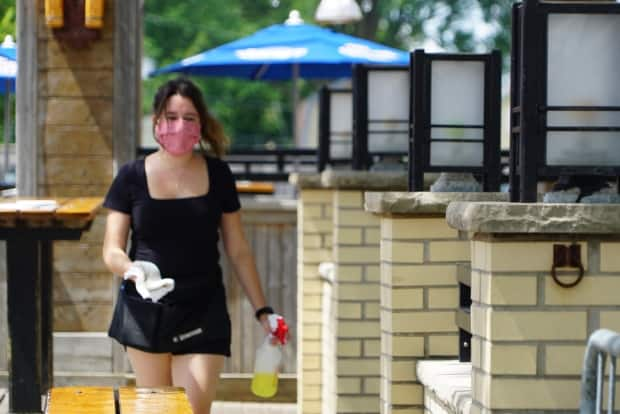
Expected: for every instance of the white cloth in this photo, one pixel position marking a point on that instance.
(148, 280)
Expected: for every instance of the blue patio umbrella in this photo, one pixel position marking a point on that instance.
(8, 74)
(272, 53)
(288, 51)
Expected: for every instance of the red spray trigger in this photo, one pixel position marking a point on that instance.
(281, 330)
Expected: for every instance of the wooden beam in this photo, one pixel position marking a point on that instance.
(27, 113)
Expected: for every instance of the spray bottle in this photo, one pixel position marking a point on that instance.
(268, 358)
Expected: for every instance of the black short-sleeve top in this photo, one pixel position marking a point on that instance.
(179, 235)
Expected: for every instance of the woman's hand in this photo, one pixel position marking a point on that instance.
(264, 321)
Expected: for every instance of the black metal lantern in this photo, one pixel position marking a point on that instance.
(565, 94)
(380, 114)
(455, 116)
(335, 127)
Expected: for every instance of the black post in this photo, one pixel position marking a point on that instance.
(360, 118)
(324, 127)
(47, 314)
(417, 121)
(515, 107)
(23, 287)
(493, 75)
(529, 136)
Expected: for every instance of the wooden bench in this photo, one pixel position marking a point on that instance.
(125, 400)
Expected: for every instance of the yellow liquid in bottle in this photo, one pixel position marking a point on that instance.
(265, 384)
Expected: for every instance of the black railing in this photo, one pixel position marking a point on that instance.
(263, 164)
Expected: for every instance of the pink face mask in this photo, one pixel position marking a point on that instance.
(178, 137)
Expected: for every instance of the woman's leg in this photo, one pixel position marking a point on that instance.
(152, 370)
(199, 375)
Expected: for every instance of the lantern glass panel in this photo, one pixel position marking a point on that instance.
(341, 125)
(457, 133)
(582, 67)
(457, 93)
(583, 60)
(388, 110)
(456, 154)
(583, 148)
(583, 118)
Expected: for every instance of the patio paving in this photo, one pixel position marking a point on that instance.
(219, 407)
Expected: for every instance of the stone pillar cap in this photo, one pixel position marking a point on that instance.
(497, 217)
(351, 180)
(421, 202)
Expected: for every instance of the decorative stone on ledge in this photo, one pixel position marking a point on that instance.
(389, 203)
(305, 180)
(447, 384)
(494, 217)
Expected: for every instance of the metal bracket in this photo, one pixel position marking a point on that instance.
(567, 256)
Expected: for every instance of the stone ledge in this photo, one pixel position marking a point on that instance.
(364, 180)
(489, 217)
(351, 180)
(449, 382)
(421, 202)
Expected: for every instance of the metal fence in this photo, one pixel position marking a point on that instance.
(603, 343)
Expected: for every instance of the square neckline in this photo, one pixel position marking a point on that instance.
(145, 182)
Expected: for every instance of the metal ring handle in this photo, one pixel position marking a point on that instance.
(567, 285)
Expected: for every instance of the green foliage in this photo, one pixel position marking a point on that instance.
(255, 112)
(7, 18)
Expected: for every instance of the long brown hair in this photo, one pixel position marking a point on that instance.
(211, 131)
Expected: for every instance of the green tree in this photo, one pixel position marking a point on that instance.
(7, 18)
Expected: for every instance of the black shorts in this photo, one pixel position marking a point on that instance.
(194, 327)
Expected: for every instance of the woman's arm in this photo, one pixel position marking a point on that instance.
(115, 242)
(242, 259)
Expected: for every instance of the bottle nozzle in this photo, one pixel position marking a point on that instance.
(279, 328)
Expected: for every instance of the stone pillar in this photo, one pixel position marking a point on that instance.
(314, 244)
(348, 304)
(529, 333)
(356, 332)
(419, 291)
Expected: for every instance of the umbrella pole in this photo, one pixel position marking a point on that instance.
(7, 129)
(295, 99)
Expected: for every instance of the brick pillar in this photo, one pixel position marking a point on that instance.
(419, 293)
(338, 230)
(355, 305)
(314, 241)
(529, 333)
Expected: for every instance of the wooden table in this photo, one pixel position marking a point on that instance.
(254, 187)
(126, 400)
(29, 227)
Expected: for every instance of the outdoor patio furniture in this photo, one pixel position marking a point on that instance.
(29, 228)
(125, 400)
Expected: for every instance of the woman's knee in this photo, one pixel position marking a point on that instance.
(199, 375)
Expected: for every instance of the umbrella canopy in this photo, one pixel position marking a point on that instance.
(286, 51)
(8, 65)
